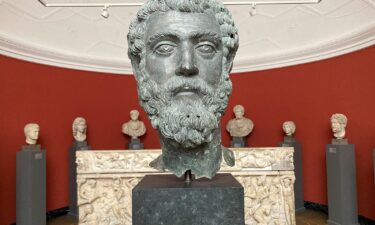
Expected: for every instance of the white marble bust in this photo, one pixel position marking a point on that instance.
(289, 127)
(79, 128)
(31, 131)
(134, 127)
(338, 124)
(239, 126)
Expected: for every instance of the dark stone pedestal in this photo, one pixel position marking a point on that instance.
(31, 186)
(135, 143)
(78, 145)
(341, 182)
(168, 200)
(238, 142)
(297, 159)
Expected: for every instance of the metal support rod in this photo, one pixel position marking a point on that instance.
(188, 176)
(265, 2)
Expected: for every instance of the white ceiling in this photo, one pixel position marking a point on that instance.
(277, 36)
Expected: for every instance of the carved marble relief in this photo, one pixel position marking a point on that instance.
(262, 159)
(105, 201)
(116, 161)
(268, 198)
(106, 178)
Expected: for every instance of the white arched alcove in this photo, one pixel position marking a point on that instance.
(277, 36)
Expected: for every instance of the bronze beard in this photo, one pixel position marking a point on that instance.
(189, 131)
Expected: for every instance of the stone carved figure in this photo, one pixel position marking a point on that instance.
(263, 213)
(182, 52)
(289, 199)
(269, 199)
(134, 128)
(87, 191)
(289, 128)
(240, 126)
(31, 131)
(81, 164)
(106, 201)
(79, 128)
(86, 215)
(338, 124)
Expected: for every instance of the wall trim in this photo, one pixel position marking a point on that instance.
(354, 41)
(308, 205)
(42, 55)
(55, 213)
(324, 209)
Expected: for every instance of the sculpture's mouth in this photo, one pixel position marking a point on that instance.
(185, 90)
(335, 128)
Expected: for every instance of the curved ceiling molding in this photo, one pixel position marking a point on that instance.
(339, 46)
(278, 36)
(38, 54)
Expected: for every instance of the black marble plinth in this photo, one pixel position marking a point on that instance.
(168, 200)
(135, 143)
(31, 186)
(341, 185)
(297, 159)
(238, 142)
(77, 146)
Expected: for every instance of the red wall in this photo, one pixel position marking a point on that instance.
(307, 94)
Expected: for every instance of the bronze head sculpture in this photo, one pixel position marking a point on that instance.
(182, 52)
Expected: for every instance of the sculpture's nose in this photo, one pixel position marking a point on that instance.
(187, 65)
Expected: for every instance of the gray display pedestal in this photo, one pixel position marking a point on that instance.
(168, 200)
(298, 184)
(78, 145)
(135, 143)
(31, 186)
(238, 142)
(341, 182)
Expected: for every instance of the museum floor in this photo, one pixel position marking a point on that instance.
(309, 217)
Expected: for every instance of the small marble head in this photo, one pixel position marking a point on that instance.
(31, 131)
(88, 209)
(79, 128)
(91, 183)
(338, 125)
(288, 181)
(134, 114)
(289, 127)
(239, 111)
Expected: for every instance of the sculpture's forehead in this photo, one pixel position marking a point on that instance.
(181, 23)
(34, 127)
(238, 109)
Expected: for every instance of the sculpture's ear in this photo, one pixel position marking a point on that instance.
(230, 67)
(229, 64)
(136, 69)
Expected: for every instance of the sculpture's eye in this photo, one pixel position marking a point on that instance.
(164, 49)
(206, 48)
